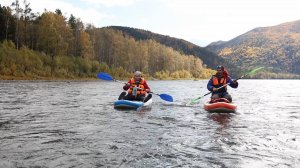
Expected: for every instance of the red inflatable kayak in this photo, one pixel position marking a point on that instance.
(220, 105)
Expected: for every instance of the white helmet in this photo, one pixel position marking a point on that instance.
(137, 73)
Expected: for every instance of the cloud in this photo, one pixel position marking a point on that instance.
(88, 14)
(111, 3)
(215, 20)
(192, 20)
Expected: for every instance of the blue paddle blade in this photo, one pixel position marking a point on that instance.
(104, 76)
(166, 97)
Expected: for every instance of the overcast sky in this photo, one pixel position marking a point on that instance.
(197, 21)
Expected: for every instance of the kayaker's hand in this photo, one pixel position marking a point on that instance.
(235, 81)
(126, 86)
(215, 89)
(147, 90)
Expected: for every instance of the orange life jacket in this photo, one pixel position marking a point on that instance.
(218, 84)
(139, 85)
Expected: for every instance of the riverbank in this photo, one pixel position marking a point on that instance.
(47, 78)
(2, 77)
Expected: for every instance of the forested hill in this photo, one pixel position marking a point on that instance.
(209, 58)
(52, 45)
(276, 47)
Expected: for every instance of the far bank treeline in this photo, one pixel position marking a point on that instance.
(50, 45)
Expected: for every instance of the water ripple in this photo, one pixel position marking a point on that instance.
(74, 124)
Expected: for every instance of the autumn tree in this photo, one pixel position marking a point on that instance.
(7, 24)
(85, 46)
(53, 34)
(18, 10)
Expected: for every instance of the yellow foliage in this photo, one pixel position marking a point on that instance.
(225, 51)
(252, 51)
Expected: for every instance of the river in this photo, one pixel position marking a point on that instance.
(74, 124)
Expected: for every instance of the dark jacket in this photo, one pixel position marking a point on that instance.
(229, 81)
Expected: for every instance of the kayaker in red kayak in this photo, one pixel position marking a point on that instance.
(218, 84)
(137, 89)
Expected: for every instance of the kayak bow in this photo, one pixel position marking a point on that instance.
(220, 105)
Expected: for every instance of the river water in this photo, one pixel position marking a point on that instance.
(74, 124)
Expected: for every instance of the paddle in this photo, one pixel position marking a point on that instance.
(193, 101)
(107, 77)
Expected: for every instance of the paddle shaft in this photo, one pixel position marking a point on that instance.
(241, 77)
(120, 81)
(228, 83)
(128, 83)
(218, 88)
(106, 76)
(162, 96)
(155, 93)
(250, 73)
(137, 87)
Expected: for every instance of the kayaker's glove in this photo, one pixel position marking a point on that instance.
(126, 86)
(215, 89)
(235, 81)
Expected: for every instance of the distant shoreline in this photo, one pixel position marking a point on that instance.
(14, 78)
(53, 79)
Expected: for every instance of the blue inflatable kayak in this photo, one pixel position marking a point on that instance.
(127, 104)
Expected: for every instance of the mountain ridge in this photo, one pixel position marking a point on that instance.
(209, 58)
(276, 47)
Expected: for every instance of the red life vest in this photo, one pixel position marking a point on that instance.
(218, 84)
(139, 85)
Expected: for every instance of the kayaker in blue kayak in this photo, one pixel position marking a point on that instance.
(137, 89)
(218, 84)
